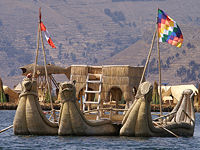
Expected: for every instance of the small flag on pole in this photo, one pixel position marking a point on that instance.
(168, 30)
(47, 35)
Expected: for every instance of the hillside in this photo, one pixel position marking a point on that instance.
(99, 32)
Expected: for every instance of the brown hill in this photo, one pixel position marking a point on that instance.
(178, 65)
(98, 32)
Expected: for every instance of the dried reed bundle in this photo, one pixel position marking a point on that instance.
(79, 69)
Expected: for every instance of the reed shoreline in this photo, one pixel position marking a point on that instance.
(47, 106)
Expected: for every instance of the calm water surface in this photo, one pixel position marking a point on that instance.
(9, 141)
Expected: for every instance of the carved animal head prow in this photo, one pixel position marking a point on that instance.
(145, 90)
(67, 91)
(26, 85)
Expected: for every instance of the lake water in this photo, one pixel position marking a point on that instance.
(10, 141)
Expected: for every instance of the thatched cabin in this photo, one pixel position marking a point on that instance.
(114, 83)
(172, 94)
(117, 81)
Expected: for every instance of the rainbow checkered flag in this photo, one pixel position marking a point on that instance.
(168, 30)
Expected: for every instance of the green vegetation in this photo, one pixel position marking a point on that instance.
(155, 95)
(3, 97)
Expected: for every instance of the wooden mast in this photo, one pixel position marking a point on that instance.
(39, 35)
(159, 68)
(38, 38)
(149, 55)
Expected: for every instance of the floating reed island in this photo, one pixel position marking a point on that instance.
(123, 83)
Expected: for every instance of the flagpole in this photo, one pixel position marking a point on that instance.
(46, 74)
(159, 67)
(38, 38)
(149, 55)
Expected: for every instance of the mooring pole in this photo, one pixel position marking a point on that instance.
(6, 129)
(166, 129)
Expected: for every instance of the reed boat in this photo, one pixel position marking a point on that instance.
(29, 118)
(138, 120)
(73, 122)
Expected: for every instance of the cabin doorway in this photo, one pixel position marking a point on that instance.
(115, 97)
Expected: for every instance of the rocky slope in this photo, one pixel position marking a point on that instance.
(99, 32)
